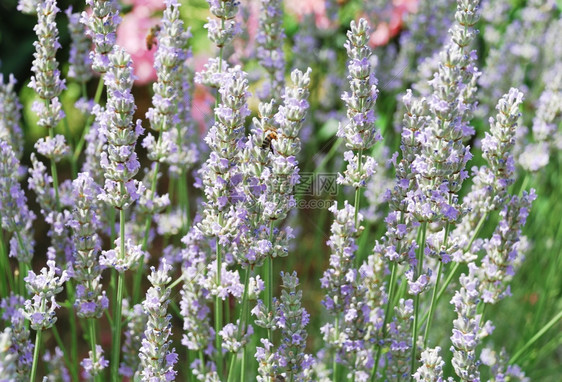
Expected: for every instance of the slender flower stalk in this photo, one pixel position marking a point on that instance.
(101, 26)
(120, 164)
(46, 80)
(21, 346)
(221, 32)
(502, 250)
(220, 218)
(359, 135)
(157, 359)
(269, 50)
(163, 116)
(134, 334)
(466, 327)
(289, 119)
(80, 68)
(40, 308)
(440, 166)
(91, 300)
(292, 320)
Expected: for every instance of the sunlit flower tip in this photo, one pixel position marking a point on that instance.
(156, 355)
(40, 308)
(94, 366)
(431, 369)
(101, 25)
(53, 148)
(113, 258)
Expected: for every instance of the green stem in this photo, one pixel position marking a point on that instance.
(456, 267)
(35, 356)
(93, 342)
(269, 281)
(437, 279)
(73, 331)
(423, 227)
(24, 269)
(231, 367)
(243, 367)
(524, 184)
(433, 304)
(536, 337)
(218, 311)
(73, 369)
(329, 156)
(54, 173)
(140, 269)
(89, 121)
(391, 287)
(5, 263)
(184, 200)
(243, 322)
(116, 341)
(357, 203)
(335, 359)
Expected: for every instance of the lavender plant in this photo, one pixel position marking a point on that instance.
(453, 198)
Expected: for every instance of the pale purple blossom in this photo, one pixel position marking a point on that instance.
(156, 355)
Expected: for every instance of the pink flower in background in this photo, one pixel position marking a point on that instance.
(203, 100)
(245, 43)
(131, 35)
(387, 29)
(301, 8)
(151, 5)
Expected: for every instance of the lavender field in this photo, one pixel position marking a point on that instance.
(269, 190)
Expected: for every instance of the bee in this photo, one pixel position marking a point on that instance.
(279, 378)
(270, 136)
(152, 36)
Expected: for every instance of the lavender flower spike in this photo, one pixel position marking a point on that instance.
(101, 27)
(170, 56)
(441, 164)
(270, 46)
(90, 299)
(157, 359)
(502, 249)
(46, 80)
(94, 366)
(16, 216)
(10, 114)
(120, 160)
(40, 309)
(431, 369)
(220, 171)
(401, 340)
(284, 165)
(498, 144)
(80, 68)
(292, 319)
(221, 32)
(466, 327)
(359, 133)
(28, 7)
(21, 346)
